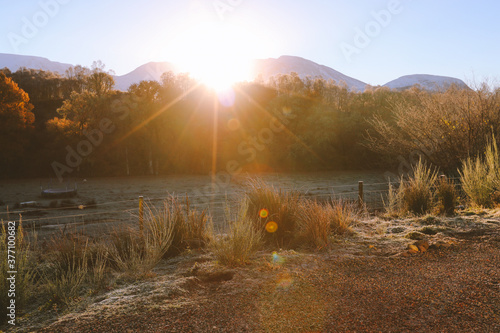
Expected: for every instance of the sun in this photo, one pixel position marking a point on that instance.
(216, 55)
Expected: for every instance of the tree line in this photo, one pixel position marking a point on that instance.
(79, 125)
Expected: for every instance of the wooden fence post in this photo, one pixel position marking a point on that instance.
(360, 194)
(141, 213)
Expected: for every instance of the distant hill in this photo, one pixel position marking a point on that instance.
(428, 82)
(263, 67)
(15, 61)
(151, 71)
(303, 67)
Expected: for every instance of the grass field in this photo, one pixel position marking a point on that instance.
(108, 201)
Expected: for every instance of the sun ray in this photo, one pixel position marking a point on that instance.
(156, 114)
(218, 55)
(287, 130)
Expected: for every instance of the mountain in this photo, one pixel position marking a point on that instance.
(264, 68)
(150, 71)
(15, 61)
(287, 64)
(428, 82)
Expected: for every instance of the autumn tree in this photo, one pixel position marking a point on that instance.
(15, 120)
(87, 107)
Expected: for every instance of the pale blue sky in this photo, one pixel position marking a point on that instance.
(443, 37)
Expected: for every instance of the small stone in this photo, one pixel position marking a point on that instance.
(412, 249)
(422, 245)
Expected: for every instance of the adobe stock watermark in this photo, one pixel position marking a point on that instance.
(224, 6)
(31, 26)
(11, 272)
(372, 29)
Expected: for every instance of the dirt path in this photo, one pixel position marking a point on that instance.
(446, 289)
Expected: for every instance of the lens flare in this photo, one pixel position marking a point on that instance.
(277, 259)
(263, 213)
(271, 227)
(226, 96)
(233, 124)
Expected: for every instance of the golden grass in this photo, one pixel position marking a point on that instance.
(240, 243)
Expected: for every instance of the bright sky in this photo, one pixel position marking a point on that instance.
(447, 37)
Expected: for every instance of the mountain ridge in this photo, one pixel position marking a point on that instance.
(426, 81)
(264, 68)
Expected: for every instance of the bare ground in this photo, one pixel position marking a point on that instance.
(366, 282)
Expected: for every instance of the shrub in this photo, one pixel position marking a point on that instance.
(127, 249)
(65, 248)
(266, 205)
(240, 243)
(67, 275)
(480, 176)
(447, 196)
(139, 251)
(316, 221)
(190, 227)
(344, 214)
(417, 191)
(73, 260)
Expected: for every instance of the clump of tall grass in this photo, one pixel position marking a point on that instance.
(67, 274)
(190, 226)
(414, 195)
(394, 206)
(280, 207)
(480, 176)
(139, 251)
(417, 191)
(318, 221)
(23, 265)
(73, 261)
(447, 196)
(240, 242)
(344, 215)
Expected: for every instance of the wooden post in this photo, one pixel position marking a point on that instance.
(360, 194)
(141, 213)
(442, 178)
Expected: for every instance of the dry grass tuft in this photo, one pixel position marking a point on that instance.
(481, 177)
(281, 208)
(241, 241)
(317, 221)
(417, 191)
